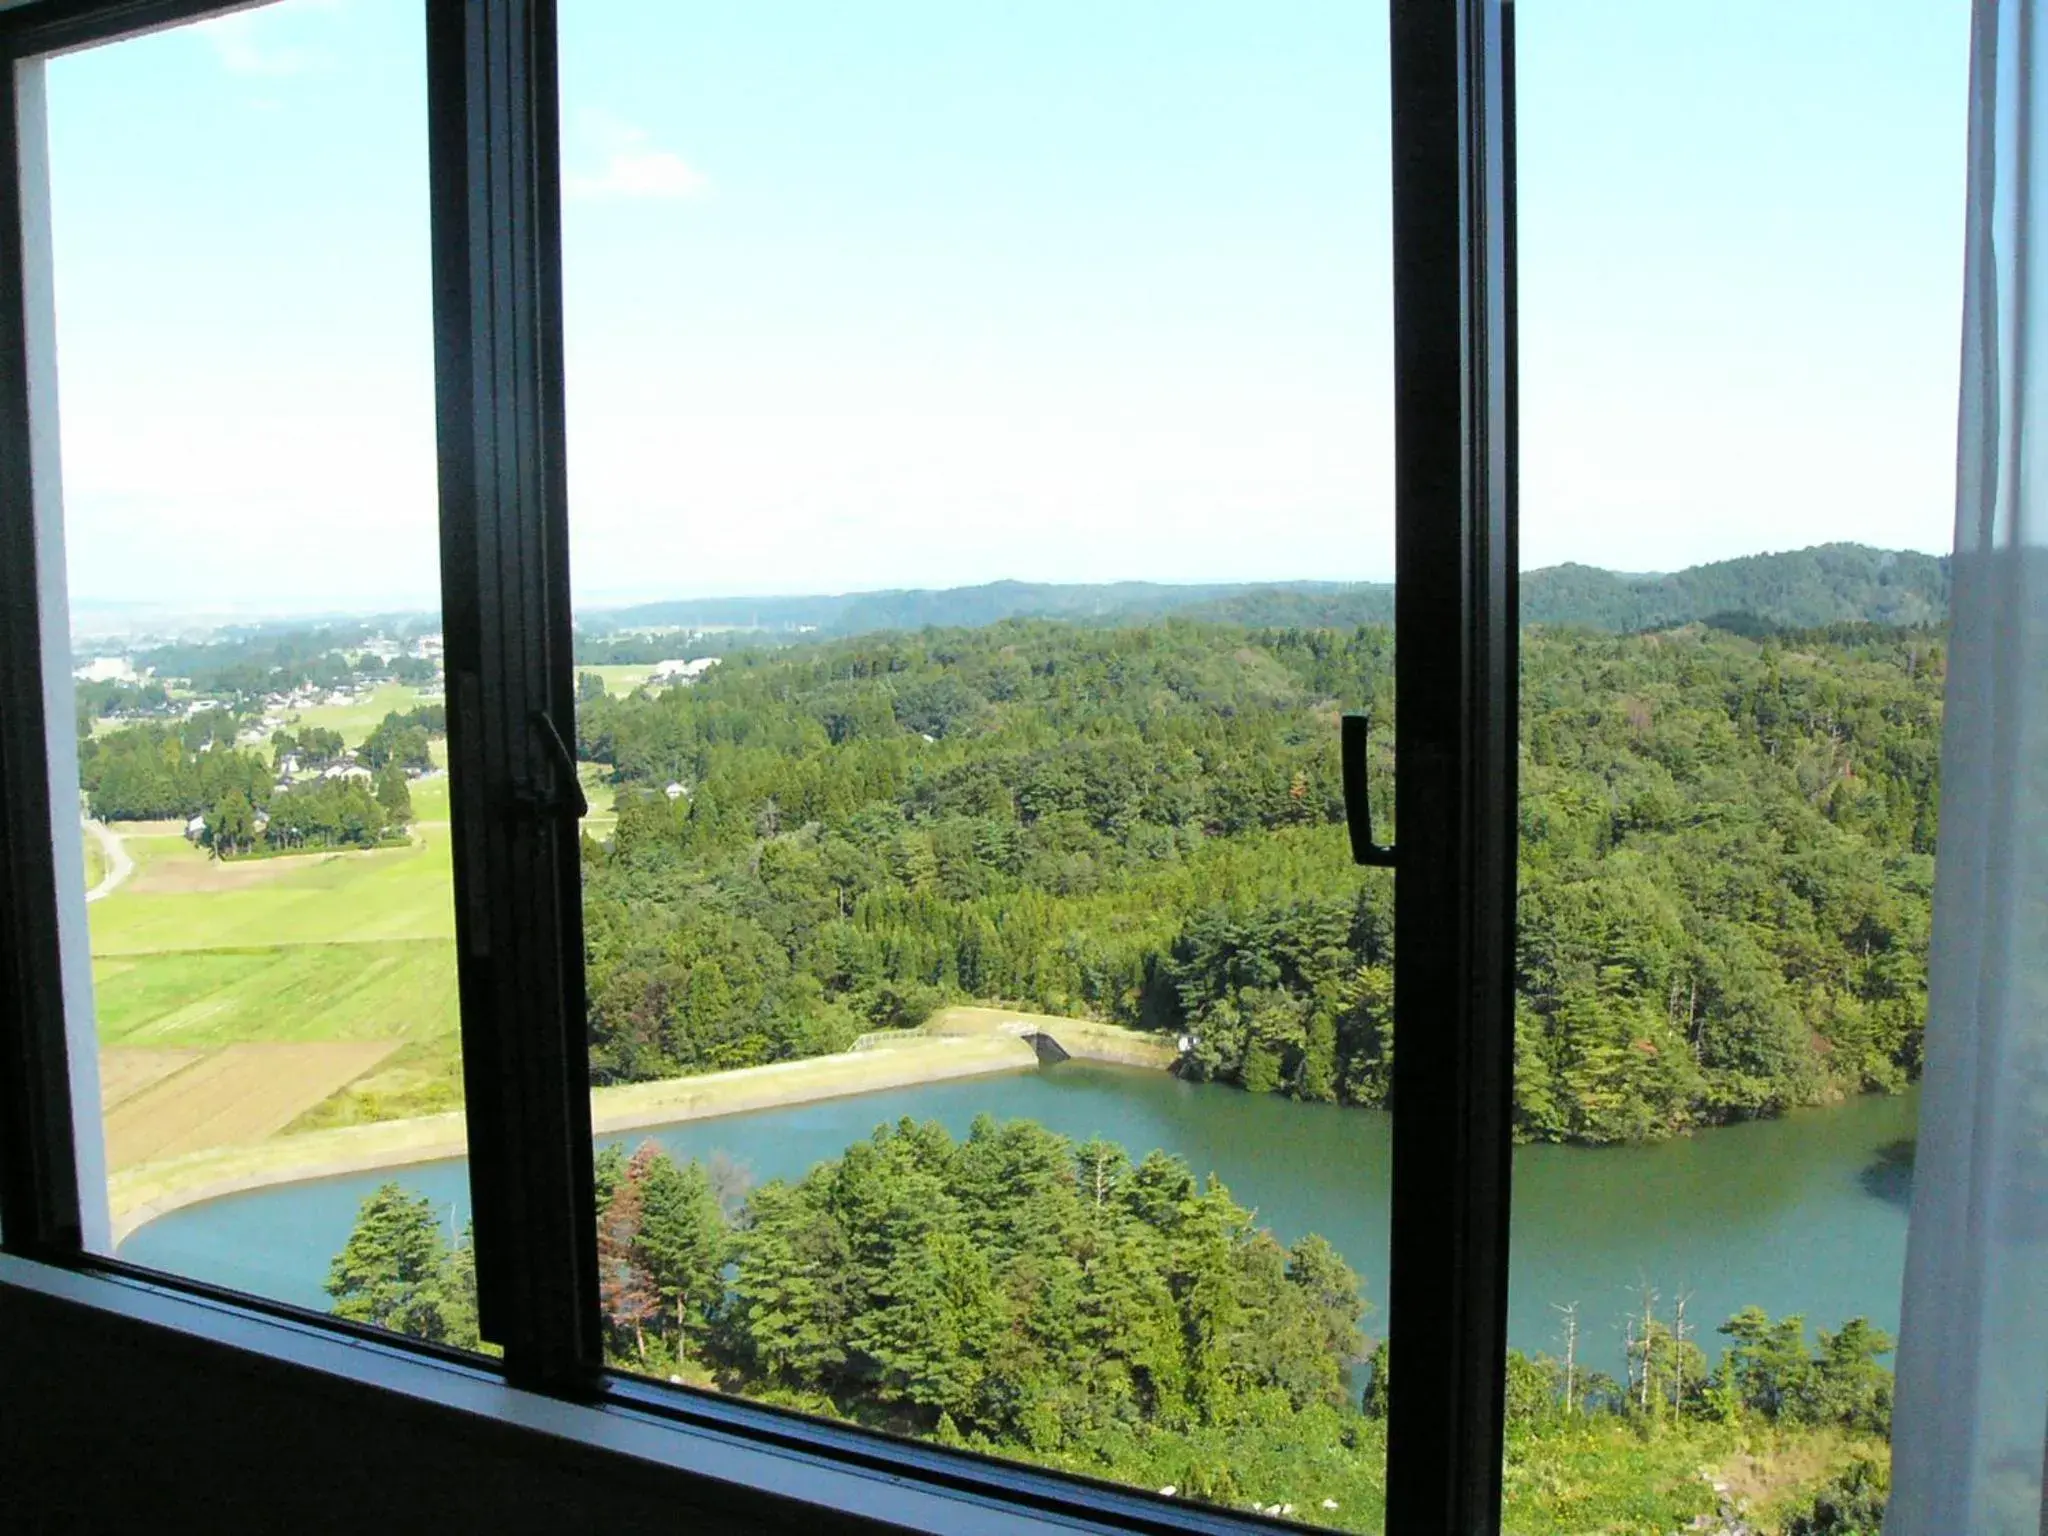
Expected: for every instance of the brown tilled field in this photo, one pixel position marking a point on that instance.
(125, 1072)
(233, 1097)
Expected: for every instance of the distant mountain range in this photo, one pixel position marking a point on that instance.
(1800, 589)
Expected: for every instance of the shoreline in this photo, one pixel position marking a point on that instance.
(958, 1043)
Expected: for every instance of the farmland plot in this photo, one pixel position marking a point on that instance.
(233, 1097)
(126, 1072)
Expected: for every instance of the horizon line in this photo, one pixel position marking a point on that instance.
(227, 614)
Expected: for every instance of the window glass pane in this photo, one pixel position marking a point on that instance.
(1738, 349)
(980, 473)
(244, 363)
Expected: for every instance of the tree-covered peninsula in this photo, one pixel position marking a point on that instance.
(1726, 857)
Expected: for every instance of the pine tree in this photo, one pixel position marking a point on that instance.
(624, 1288)
(394, 796)
(793, 1294)
(682, 1241)
(394, 1271)
(1331, 1287)
(232, 826)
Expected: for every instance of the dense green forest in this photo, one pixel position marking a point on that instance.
(97, 700)
(1017, 1293)
(247, 665)
(864, 612)
(180, 768)
(192, 767)
(1828, 584)
(406, 739)
(1726, 857)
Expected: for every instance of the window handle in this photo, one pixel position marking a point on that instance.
(1357, 731)
(568, 795)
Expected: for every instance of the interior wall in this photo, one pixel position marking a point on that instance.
(112, 1425)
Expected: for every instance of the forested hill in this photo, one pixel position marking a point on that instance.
(857, 613)
(1809, 588)
(1726, 857)
(1829, 584)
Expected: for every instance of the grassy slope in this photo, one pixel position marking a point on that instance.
(1602, 1476)
(620, 681)
(357, 720)
(1613, 1475)
(212, 997)
(95, 862)
(325, 946)
(180, 899)
(602, 795)
(191, 954)
(1608, 1476)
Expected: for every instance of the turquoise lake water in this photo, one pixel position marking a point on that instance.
(1803, 1214)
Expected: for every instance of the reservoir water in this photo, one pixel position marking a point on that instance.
(1803, 1214)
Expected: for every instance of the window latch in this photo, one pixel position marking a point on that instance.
(568, 798)
(1356, 733)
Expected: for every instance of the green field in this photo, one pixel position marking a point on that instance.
(602, 795)
(193, 954)
(179, 898)
(294, 955)
(430, 799)
(357, 720)
(619, 681)
(204, 998)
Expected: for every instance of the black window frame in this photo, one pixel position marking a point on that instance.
(493, 144)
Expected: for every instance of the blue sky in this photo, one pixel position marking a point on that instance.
(892, 293)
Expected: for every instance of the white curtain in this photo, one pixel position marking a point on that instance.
(1971, 1423)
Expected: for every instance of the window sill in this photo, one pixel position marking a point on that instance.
(724, 1461)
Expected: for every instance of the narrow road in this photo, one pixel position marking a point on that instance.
(119, 865)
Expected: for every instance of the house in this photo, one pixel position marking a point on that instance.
(681, 671)
(107, 669)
